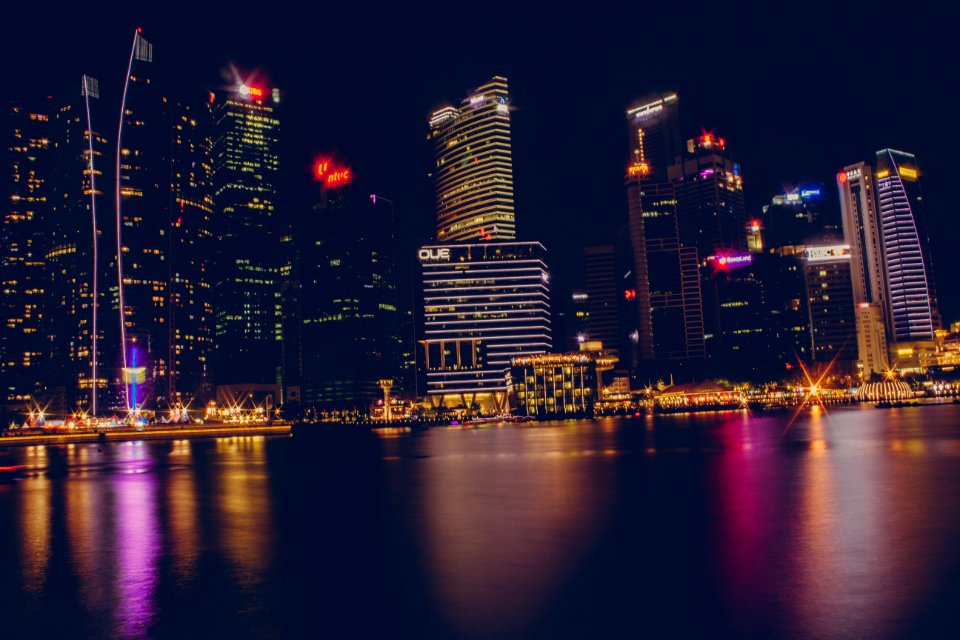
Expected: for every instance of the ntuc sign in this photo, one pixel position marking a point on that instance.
(433, 254)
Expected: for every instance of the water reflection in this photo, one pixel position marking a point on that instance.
(668, 527)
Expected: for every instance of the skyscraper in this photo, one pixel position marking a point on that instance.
(245, 166)
(486, 296)
(485, 303)
(602, 296)
(77, 255)
(192, 249)
(710, 203)
(473, 167)
(141, 295)
(912, 298)
(859, 214)
(666, 276)
(344, 322)
(831, 309)
(27, 199)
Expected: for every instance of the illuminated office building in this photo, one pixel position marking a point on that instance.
(340, 305)
(247, 303)
(27, 199)
(798, 216)
(666, 287)
(862, 232)
(484, 304)
(736, 317)
(911, 292)
(74, 270)
(143, 163)
(192, 249)
(710, 206)
(830, 306)
(473, 167)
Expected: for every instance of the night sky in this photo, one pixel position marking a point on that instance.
(797, 91)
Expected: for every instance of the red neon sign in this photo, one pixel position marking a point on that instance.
(338, 177)
(256, 92)
(630, 294)
(332, 175)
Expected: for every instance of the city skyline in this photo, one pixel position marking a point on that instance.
(783, 112)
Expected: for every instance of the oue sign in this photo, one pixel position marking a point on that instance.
(434, 255)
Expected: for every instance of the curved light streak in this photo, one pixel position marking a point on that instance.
(96, 263)
(123, 110)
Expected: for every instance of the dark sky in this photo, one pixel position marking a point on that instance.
(798, 90)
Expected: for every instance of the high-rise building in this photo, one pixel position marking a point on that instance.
(140, 294)
(77, 255)
(710, 206)
(830, 303)
(473, 167)
(666, 277)
(340, 310)
(862, 232)
(602, 296)
(247, 303)
(192, 249)
(912, 298)
(484, 304)
(735, 317)
(798, 216)
(27, 199)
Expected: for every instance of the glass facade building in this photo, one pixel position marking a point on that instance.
(473, 167)
(246, 216)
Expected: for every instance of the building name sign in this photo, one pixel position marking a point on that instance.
(435, 254)
(819, 254)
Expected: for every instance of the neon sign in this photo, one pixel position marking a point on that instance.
(630, 294)
(331, 175)
(822, 254)
(731, 261)
(428, 254)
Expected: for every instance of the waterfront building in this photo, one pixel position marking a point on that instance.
(247, 220)
(709, 191)
(484, 303)
(911, 291)
(473, 167)
(140, 293)
(192, 249)
(27, 199)
(669, 320)
(830, 305)
(736, 318)
(80, 363)
(556, 385)
(340, 309)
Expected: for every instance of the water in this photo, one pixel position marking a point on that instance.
(716, 525)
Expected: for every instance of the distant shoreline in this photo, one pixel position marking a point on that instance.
(163, 433)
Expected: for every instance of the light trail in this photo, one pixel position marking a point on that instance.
(96, 263)
(123, 111)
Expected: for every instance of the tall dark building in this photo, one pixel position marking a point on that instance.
(77, 254)
(247, 305)
(192, 249)
(27, 199)
(710, 202)
(602, 296)
(799, 216)
(833, 328)
(666, 276)
(143, 205)
(340, 302)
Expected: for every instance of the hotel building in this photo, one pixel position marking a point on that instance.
(484, 304)
(555, 385)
